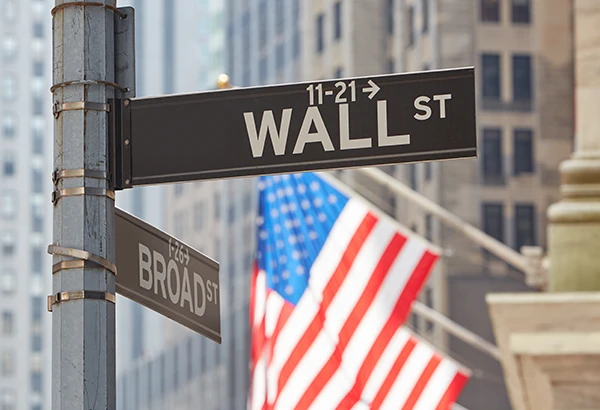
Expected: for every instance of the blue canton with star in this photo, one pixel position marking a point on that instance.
(295, 215)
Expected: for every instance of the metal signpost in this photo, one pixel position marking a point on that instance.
(166, 275)
(333, 124)
(106, 140)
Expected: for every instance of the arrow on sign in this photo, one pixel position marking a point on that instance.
(373, 89)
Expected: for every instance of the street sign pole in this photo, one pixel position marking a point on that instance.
(83, 295)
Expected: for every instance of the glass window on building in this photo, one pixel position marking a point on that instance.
(425, 15)
(524, 225)
(523, 151)
(320, 30)
(296, 43)
(390, 16)
(279, 16)
(217, 206)
(8, 241)
(492, 156)
(8, 399)
(8, 125)
(338, 73)
(37, 260)
(391, 66)
(38, 30)
(199, 216)
(248, 202)
(37, 134)
(493, 222)
(180, 224)
(263, 70)
(490, 10)
(8, 326)
(410, 27)
(36, 342)
(37, 181)
(9, 87)
(37, 214)
(10, 10)
(8, 204)
(37, 105)
(337, 20)
(38, 68)
(178, 189)
(7, 362)
(36, 382)
(429, 303)
(8, 164)
(490, 65)
(412, 175)
(280, 56)
(521, 11)
(9, 47)
(37, 305)
(427, 171)
(522, 78)
(230, 213)
(8, 281)
(263, 23)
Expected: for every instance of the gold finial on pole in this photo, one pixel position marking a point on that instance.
(223, 82)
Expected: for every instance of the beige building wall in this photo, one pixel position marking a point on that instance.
(454, 35)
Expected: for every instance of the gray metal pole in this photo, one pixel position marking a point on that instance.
(83, 310)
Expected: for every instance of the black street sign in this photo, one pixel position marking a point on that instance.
(156, 270)
(318, 125)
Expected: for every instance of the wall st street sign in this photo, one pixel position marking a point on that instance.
(317, 125)
(162, 273)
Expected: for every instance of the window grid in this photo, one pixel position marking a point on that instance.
(491, 76)
(493, 172)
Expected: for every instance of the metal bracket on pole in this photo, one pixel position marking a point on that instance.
(79, 191)
(83, 257)
(120, 144)
(78, 173)
(79, 105)
(79, 295)
(125, 51)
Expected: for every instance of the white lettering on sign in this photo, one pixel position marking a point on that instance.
(384, 139)
(181, 290)
(314, 120)
(313, 116)
(267, 126)
(345, 141)
(421, 105)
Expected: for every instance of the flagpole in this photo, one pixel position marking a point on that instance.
(533, 266)
(456, 330)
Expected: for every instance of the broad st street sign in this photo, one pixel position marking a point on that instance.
(156, 270)
(317, 125)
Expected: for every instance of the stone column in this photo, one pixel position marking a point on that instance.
(574, 222)
(550, 342)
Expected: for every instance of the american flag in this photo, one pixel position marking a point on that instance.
(332, 285)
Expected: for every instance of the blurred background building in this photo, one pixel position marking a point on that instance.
(25, 208)
(524, 127)
(522, 51)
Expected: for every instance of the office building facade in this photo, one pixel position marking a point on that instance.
(522, 53)
(25, 207)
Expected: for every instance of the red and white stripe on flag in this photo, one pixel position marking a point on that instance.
(342, 346)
